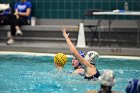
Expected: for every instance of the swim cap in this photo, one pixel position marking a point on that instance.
(107, 78)
(92, 56)
(82, 53)
(133, 86)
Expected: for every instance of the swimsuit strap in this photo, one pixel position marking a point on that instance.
(101, 91)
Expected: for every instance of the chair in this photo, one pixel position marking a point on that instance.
(92, 27)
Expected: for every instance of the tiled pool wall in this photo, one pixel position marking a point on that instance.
(74, 9)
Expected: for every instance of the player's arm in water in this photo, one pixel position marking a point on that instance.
(89, 69)
(58, 67)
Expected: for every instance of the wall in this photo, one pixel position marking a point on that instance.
(74, 9)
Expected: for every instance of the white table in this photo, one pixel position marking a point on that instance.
(129, 13)
(117, 13)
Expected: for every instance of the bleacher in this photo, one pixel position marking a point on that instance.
(50, 31)
(46, 36)
(39, 32)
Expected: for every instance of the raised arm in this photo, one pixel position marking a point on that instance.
(73, 49)
(90, 70)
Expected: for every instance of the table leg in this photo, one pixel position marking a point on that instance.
(109, 28)
(138, 32)
(99, 24)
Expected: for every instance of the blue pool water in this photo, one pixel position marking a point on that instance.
(21, 73)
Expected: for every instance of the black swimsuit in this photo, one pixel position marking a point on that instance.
(100, 91)
(94, 77)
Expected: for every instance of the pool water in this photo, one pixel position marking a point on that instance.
(37, 74)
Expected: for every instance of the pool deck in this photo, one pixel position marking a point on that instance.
(55, 47)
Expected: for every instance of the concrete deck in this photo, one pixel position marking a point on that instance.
(55, 47)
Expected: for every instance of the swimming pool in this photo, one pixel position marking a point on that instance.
(36, 73)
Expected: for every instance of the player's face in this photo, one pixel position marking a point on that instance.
(74, 62)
